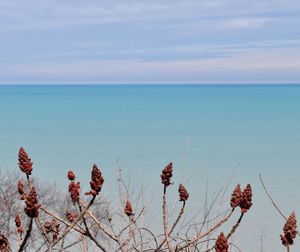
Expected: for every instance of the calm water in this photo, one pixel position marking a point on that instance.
(209, 132)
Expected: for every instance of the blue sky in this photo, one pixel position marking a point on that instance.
(158, 41)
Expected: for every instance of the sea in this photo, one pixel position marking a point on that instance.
(216, 136)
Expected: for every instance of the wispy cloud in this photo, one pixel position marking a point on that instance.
(244, 23)
(58, 39)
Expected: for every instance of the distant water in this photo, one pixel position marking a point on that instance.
(209, 132)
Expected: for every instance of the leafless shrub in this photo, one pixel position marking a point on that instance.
(52, 220)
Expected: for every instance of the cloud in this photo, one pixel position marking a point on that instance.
(54, 40)
(246, 22)
(245, 67)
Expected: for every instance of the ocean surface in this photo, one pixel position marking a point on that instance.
(214, 135)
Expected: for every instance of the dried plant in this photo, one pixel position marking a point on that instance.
(96, 181)
(167, 174)
(20, 229)
(81, 223)
(32, 205)
(183, 194)
(128, 209)
(53, 228)
(246, 199)
(71, 176)
(25, 163)
(4, 244)
(236, 197)
(71, 216)
(74, 187)
(289, 230)
(221, 243)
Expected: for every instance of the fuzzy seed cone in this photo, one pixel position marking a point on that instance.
(183, 194)
(236, 197)
(221, 244)
(53, 228)
(74, 190)
(21, 190)
(128, 209)
(25, 163)
(289, 230)
(20, 230)
(71, 176)
(96, 181)
(47, 226)
(71, 216)
(246, 200)
(167, 174)
(18, 221)
(4, 244)
(32, 205)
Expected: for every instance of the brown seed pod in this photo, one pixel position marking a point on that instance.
(32, 205)
(21, 190)
(74, 190)
(167, 174)
(4, 244)
(25, 163)
(53, 228)
(246, 200)
(71, 216)
(128, 209)
(71, 176)
(236, 197)
(20, 229)
(221, 243)
(97, 181)
(289, 230)
(183, 194)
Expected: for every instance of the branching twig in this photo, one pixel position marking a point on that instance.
(201, 235)
(173, 227)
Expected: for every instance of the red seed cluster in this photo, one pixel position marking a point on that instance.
(183, 194)
(236, 197)
(21, 190)
(53, 228)
(243, 199)
(20, 229)
(221, 243)
(71, 216)
(74, 187)
(97, 181)
(4, 244)
(128, 209)
(32, 205)
(246, 200)
(25, 163)
(289, 230)
(74, 190)
(167, 174)
(71, 176)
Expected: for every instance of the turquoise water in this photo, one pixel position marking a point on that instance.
(209, 132)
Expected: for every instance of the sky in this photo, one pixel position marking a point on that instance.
(158, 41)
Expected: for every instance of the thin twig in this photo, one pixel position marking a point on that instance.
(164, 206)
(173, 227)
(269, 196)
(78, 229)
(235, 226)
(75, 222)
(27, 235)
(201, 235)
(88, 232)
(100, 225)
